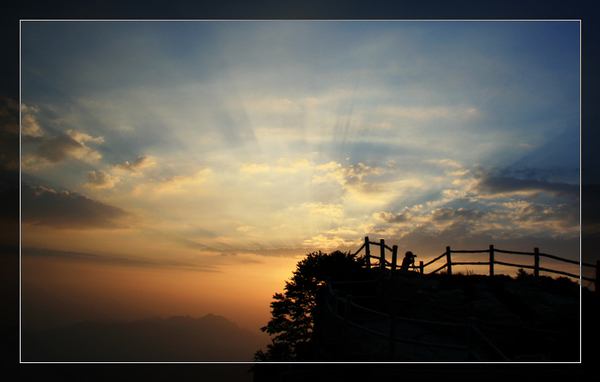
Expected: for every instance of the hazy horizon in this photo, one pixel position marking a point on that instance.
(175, 339)
(184, 168)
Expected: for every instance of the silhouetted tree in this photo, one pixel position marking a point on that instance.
(292, 321)
(523, 275)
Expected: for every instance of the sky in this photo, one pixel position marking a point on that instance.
(184, 168)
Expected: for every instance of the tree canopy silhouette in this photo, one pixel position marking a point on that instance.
(293, 312)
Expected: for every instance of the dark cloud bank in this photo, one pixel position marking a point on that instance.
(65, 210)
(59, 148)
(498, 184)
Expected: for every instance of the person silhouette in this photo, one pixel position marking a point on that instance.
(409, 259)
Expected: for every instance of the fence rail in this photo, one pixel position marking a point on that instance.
(536, 254)
(332, 308)
(474, 335)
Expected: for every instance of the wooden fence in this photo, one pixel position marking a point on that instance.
(474, 336)
(383, 263)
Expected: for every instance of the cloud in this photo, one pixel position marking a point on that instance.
(356, 173)
(302, 163)
(70, 144)
(328, 242)
(331, 166)
(116, 260)
(450, 214)
(82, 137)
(101, 179)
(559, 217)
(174, 184)
(350, 177)
(65, 210)
(505, 185)
(387, 217)
(29, 125)
(134, 168)
(60, 148)
(177, 182)
(457, 172)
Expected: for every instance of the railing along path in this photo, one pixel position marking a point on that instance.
(474, 335)
(333, 299)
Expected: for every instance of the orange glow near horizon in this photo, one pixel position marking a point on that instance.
(80, 291)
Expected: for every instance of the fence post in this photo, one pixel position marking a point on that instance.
(536, 269)
(448, 261)
(394, 258)
(382, 255)
(491, 260)
(421, 267)
(368, 252)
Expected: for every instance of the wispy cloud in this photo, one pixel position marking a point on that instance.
(130, 261)
(135, 168)
(176, 184)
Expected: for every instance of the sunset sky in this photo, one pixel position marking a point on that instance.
(184, 168)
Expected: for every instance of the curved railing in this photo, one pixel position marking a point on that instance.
(332, 307)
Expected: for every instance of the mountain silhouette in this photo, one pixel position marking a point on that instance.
(176, 339)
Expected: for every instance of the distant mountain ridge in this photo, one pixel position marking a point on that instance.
(176, 339)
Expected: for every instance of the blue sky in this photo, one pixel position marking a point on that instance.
(227, 143)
